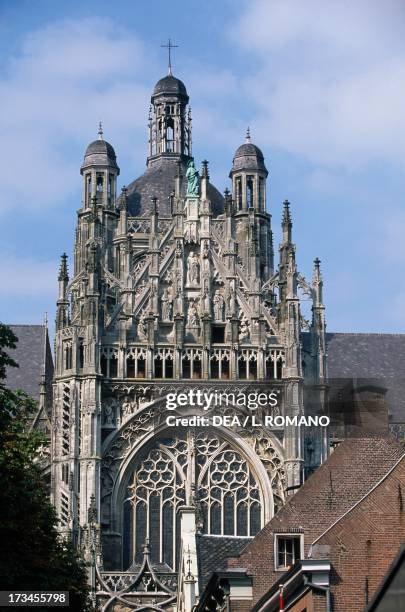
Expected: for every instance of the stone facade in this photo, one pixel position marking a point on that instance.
(175, 287)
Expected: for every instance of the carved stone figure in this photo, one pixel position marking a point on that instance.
(178, 248)
(244, 329)
(218, 306)
(206, 302)
(193, 269)
(193, 179)
(192, 320)
(142, 328)
(167, 305)
(127, 408)
(108, 415)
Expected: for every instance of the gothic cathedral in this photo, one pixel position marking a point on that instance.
(174, 287)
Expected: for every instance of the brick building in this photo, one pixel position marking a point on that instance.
(331, 544)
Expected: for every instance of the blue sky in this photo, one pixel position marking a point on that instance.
(321, 85)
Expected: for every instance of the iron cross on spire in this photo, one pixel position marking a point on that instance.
(169, 47)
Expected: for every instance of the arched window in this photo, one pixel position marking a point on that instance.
(88, 188)
(249, 191)
(99, 182)
(238, 194)
(228, 494)
(170, 136)
(154, 494)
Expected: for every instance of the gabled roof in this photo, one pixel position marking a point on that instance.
(34, 357)
(348, 474)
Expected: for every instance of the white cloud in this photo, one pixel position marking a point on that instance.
(68, 76)
(330, 78)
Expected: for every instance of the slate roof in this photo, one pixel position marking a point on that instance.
(170, 85)
(33, 354)
(248, 157)
(100, 153)
(158, 181)
(213, 552)
(377, 357)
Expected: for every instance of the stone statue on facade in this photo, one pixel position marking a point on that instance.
(109, 416)
(206, 301)
(193, 179)
(127, 408)
(244, 329)
(167, 305)
(142, 328)
(218, 306)
(193, 269)
(192, 320)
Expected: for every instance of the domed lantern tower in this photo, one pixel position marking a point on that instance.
(253, 224)
(100, 171)
(169, 120)
(248, 176)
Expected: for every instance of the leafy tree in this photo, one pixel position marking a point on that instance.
(32, 557)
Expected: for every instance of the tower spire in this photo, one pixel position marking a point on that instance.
(286, 223)
(63, 270)
(100, 131)
(169, 47)
(247, 138)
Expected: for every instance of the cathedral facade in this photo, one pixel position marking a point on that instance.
(175, 287)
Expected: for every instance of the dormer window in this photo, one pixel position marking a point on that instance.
(288, 550)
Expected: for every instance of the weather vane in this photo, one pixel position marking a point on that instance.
(169, 47)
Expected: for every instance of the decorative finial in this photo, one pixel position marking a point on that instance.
(63, 270)
(100, 131)
(92, 510)
(122, 202)
(286, 212)
(169, 47)
(248, 135)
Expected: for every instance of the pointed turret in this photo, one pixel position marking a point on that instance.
(62, 305)
(286, 223)
(317, 283)
(63, 276)
(318, 331)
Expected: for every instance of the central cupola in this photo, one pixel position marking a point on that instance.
(169, 120)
